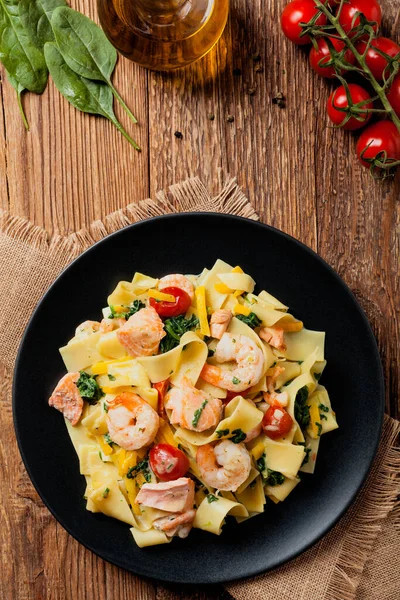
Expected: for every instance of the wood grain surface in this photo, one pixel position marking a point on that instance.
(300, 175)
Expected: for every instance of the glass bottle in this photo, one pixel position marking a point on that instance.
(163, 34)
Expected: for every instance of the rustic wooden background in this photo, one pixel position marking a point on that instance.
(300, 175)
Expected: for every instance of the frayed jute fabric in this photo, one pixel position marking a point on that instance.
(360, 557)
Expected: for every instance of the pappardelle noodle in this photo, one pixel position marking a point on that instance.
(192, 399)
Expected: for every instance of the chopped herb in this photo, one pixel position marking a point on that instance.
(261, 466)
(319, 428)
(300, 362)
(100, 456)
(108, 439)
(289, 382)
(251, 320)
(210, 352)
(175, 328)
(106, 492)
(237, 436)
(274, 478)
(317, 376)
(197, 413)
(301, 410)
(88, 388)
(307, 456)
(236, 381)
(111, 377)
(142, 467)
(323, 407)
(130, 310)
(212, 498)
(222, 432)
(234, 341)
(105, 407)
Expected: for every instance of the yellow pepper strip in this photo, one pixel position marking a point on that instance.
(237, 270)
(202, 310)
(240, 309)
(289, 325)
(105, 448)
(99, 368)
(121, 460)
(314, 419)
(132, 490)
(222, 288)
(161, 296)
(258, 450)
(238, 293)
(129, 462)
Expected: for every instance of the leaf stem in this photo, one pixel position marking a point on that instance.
(21, 110)
(124, 133)
(122, 103)
(380, 91)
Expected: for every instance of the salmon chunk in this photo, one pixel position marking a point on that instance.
(219, 323)
(67, 399)
(172, 496)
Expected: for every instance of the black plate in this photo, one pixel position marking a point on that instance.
(315, 294)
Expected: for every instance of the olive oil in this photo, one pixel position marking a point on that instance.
(163, 34)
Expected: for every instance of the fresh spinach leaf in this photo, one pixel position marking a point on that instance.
(23, 61)
(238, 436)
(88, 388)
(35, 17)
(251, 320)
(301, 410)
(274, 478)
(88, 96)
(133, 308)
(85, 48)
(175, 328)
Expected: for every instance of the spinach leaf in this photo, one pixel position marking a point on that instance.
(88, 96)
(23, 61)
(35, 17)
(251, 320)
(237, 436)
(19, 88)
(86, 48)
(142, 467)
(133, 308)
(88, 388)
(175, 328)
(274, 478)
(211, 498)
(301, 410)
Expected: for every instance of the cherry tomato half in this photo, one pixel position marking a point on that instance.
(338, 99)
(276, 422)
(323, 54)
(172, 309)
(393, 95)
(162, 389)
(370, 9)
(378, 138)
(296, 12)
(167, 462)
(375, 61)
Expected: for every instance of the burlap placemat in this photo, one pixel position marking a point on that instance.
(360, 558)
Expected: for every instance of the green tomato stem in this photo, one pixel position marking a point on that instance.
(380, 91)
(122, 103)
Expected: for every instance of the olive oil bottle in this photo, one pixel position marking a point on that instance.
(163, 34)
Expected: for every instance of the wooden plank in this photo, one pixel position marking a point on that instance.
(73, 168)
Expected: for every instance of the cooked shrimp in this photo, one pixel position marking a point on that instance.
(142, 333)
(132, 423)
(224, 466)
(107, 325)
(219, 323)
(271, 379)
(67, 399)
(179, 281)
(249, 359)
(274, 337)
(87, 328)
(192, 408)
(178, 524)
(277, 400)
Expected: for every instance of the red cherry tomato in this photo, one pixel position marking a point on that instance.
(276, 422)
(162, 389)
(393, 95)
(296, 12)
(172, 309)
(167, 462)
(375, 61)
(323, 54)
(379, 138)
(370, 9)
(231, 395)
(338, 98)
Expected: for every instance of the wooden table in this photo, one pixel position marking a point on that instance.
(300, 175)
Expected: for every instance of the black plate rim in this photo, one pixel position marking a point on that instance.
(374, 446)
